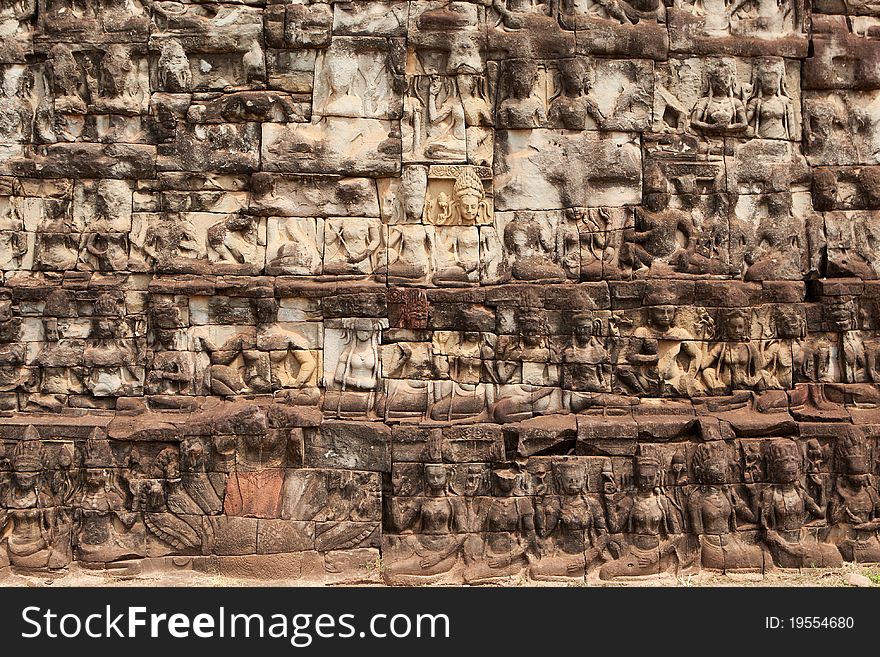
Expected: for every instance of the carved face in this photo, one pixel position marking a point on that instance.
(769, 81)
(523, 75)
(736, 327)
(435, 476)
(95, 477)
(662, 316)
(646, 475)
(788, 325)
(840, 313)
(715, 471)
(25, 479)
(472, 482)
(341, 73)
(572, 479)
(787, 469)
(468, 206)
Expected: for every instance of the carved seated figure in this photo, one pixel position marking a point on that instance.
(854, 507)
(508, 539)
(714, 510)
(531, 250)
(586, 363)
(649, 520)
(572, 533)
(30, 522)
(461, 396)
(785, 509)
(427, 546)
(735, 363)
(663, 238)
(661, 358)
(516, 400)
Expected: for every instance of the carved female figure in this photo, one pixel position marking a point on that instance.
(571, 527)
(785, 509)
(531, 249)
(29, 520)
(661, 357)
(855, 502)
(352, 247)
(734, 363)
(720, 110)
(770, 110)
(113, 359)
(358, 364)
(714, 508)
(428, 546)
(575, 108)
(508, 539)
(343, 98)
(649, 519)
(521, 108)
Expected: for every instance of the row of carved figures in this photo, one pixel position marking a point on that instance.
(783, 517)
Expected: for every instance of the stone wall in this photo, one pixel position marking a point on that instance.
(426, 292)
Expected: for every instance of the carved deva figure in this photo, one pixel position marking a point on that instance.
(721, 110)
(714, 510)
(854, 508)
(104, 529)
(785, 509)
(734, 362)
(661, 358)
(572, 533)
(770, 110)
(428, 547)
(508, 540)
(468, 206)
(29, 519)
(649, 520)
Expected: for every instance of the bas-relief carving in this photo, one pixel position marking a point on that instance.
(348, 281)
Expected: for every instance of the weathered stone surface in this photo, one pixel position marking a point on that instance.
(427, 292)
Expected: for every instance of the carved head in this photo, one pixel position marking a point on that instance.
(785, 460)
(97, 459)
(341, 71)
(575, 77)
(469, 194)
(473, 481)
(522, 74)
(736, 325)
(647, 470)
(661, 317)
(436, 477)
(505, 480)
(28, 459)
(769, 77)
(721, 76)
(851, 452)
(840, 312)
(711, 464)
(571, 477)
(788, 323)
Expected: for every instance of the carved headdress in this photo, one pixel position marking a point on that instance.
(29, 454)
